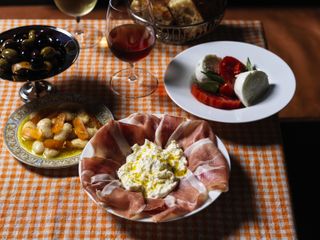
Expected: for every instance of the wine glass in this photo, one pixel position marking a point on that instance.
(130, 41)
(87, 35)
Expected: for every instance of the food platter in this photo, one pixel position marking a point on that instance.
(179, 75)
(88, 152)
(100, 111)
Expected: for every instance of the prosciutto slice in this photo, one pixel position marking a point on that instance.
(125, 203)
(109, 143)
(189, 132)
(208, 164)
(190, 194)
(166, 127)
(138, 127)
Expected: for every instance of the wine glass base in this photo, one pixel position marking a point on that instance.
(144, 85)
(88, 36)
(33, 90)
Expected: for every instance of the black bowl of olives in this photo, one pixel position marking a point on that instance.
(33, 53)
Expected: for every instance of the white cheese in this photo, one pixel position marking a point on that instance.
(153, 171)
(250, 86)
(207, 63)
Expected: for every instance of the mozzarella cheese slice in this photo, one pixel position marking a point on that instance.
(250, 86)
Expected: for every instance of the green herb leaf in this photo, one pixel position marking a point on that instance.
(214, 77)
(249, 65)
(210, 86)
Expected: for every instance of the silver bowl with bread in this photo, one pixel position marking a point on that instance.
(180, 21)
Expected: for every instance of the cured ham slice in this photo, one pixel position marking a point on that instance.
(208, 164)
(213, 176)
(189, 132)
(190, 194)
(140, 125)
(166, 127)
(125, 203)
(97, 172)
(154, 206)
(109, 143)
(100, 165)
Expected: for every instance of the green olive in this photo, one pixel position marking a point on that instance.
(27, 43)
(48, 53)
(9, 43)
(4, 65)
(32, 34)
(10, 55)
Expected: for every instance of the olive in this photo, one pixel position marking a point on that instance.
(36, 63)
(4, 65)
(48, 52)
(41, 42)
(17, 67)
(35, 53)
(48, 66)
(21, 75)
(27, 43)
(50, 41)
(10, 55)
(32, 34)
(56, 42)
(9, 43)
(25, 54)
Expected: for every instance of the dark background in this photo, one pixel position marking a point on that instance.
(231, 3)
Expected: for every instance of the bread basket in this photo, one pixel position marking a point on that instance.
(182, 34)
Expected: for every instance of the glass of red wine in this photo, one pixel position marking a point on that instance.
(130, 42)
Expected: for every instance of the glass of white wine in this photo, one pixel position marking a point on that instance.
(88, 36)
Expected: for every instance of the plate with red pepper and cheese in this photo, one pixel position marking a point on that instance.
(230, 82)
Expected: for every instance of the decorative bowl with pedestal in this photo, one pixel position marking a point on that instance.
(33, 53)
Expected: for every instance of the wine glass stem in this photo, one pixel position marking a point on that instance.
(133, 75)
(79, 28)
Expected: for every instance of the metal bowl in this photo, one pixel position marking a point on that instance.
(31, 90)
(175, 34)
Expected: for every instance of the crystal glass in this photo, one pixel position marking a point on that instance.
(88, 36)
(130, 41)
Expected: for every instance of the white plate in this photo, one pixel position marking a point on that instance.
(178, 78)
(213, 195)
(101, 112)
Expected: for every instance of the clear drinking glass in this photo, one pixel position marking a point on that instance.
(88, 36)
(130, 41)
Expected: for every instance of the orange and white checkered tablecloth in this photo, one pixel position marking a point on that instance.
(50, 204)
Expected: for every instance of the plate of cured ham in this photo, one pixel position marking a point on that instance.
(206, 175)
(180, 75)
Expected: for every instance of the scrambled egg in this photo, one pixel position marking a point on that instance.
(152, 170)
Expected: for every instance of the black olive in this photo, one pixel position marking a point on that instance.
(36, 63)
(57, 42)
(42, 42)
(25, 54)
(35, 53)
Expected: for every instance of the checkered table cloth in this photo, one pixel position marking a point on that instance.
(50, 204)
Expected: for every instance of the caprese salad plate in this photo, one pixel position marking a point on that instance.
(180, 74)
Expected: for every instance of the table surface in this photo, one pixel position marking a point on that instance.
(51, 204)
(292, 33)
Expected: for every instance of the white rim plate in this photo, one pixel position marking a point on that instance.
(178, 78)
(212, 196)
(102, 113)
